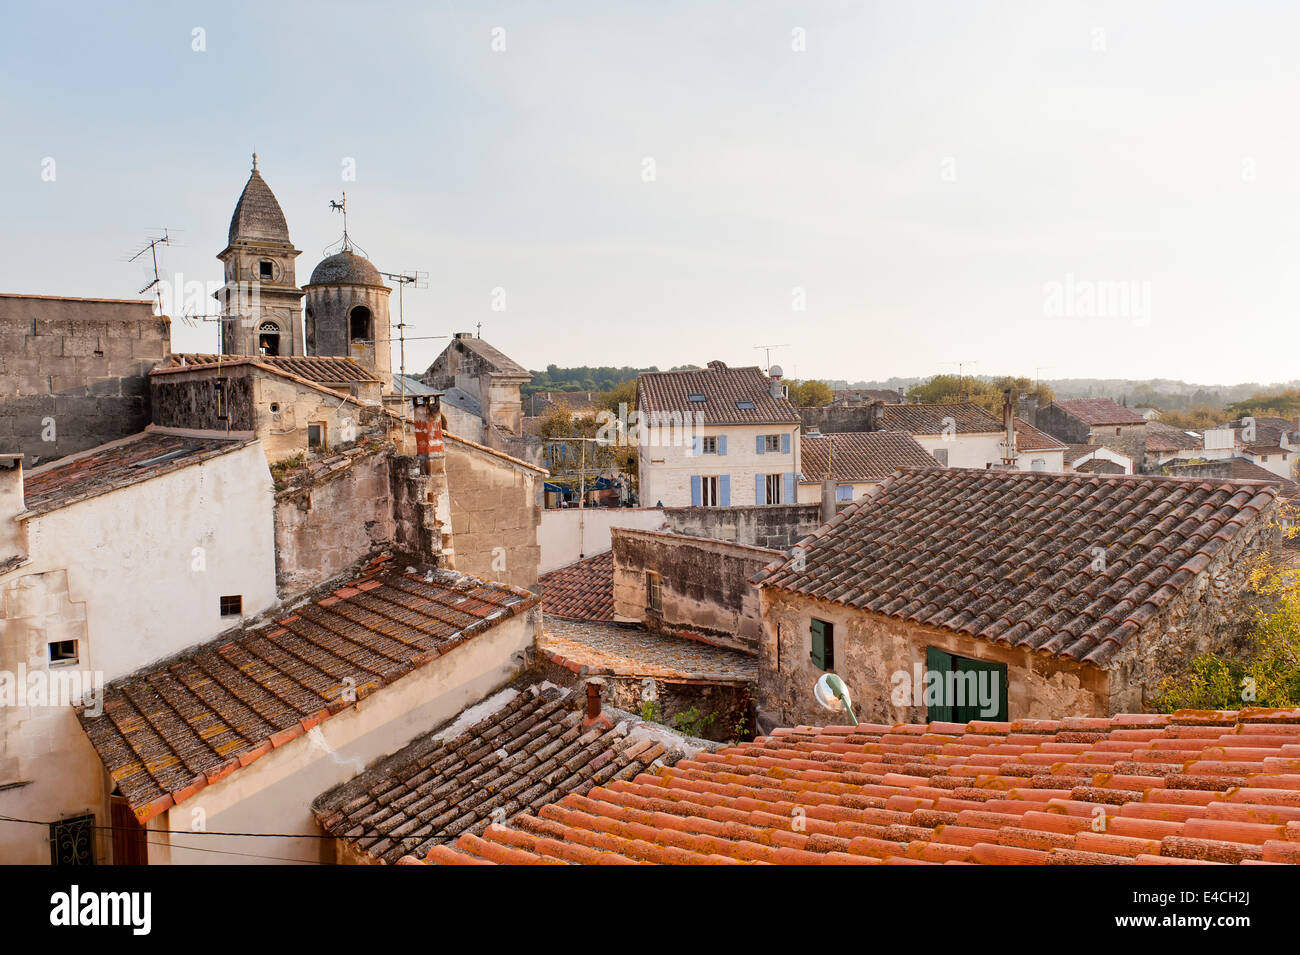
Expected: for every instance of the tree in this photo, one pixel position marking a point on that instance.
(1021, 386)
(949, 389)
(1267, 673)
(1283, 404)
(811, 394)
(621, 394)
(1197, 418)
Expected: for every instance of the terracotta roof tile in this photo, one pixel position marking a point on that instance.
(860, 456)
(1099, 411)
(168, 730)
(728, 396)
(583, 590)
(1008, 556)
(960, 417)
(759, 802)
(117, 465)
(527, 751)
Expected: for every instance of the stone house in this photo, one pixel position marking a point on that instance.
(1097, 459)
(1037, 450)
(854, 462)
(295, 405)
(716, 437)
(689, 585)
(1096, 421)
(965, 594)
(481, 389)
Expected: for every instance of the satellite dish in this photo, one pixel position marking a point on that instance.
(831, 693)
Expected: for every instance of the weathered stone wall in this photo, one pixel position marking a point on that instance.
(704, 585)
(870, 649)
(1212, 614)
(495, 514)
(73, 372)
(1062, 426)
(777, 526)
(418, 528)
(1128, 439)
(837, 419)
(194, 401)
(325, 527)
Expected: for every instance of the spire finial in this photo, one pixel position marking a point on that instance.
(254, 161)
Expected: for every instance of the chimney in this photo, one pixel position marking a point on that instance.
(1009, 431)
(464, 334)
(774, 386)
(828, 484)
(1028, 409)
(594, 714)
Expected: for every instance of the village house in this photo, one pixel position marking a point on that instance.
(1055, 593)
(1096, 421)
(113, 557)
(1037, 450)
(481, 400)
(958, 435)
(1097, 459)
(855, 462)
(1165, 442)
(717, 437)
(244, 731)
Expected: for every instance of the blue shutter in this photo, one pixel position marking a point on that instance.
(759, 448)
(724, 490)
(789, 487)
(695, 447)
(759, 491)
(695, 490)
(785, 444)
(722, 444)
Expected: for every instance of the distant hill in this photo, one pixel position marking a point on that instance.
(585, 378)
(1164, 393)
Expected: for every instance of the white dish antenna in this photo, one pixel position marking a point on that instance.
(831, 693)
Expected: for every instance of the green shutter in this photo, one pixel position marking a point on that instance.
(997, 673)
(936, 661)
(823, 644)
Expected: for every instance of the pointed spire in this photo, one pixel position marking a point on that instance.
(254, 161)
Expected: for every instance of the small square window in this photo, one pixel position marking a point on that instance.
(265, 270)
(316, 435)
(709, 445)
(63, 651)
(232, 605)
(771, 442)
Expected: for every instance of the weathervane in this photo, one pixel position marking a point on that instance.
(341, 205)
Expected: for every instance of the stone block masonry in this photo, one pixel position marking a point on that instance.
(73, 372)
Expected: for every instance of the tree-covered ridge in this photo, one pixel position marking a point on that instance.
(586, 378)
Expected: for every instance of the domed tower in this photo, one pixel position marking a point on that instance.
(347, 313)
(261, 303)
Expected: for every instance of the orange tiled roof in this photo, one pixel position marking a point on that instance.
(1007, 556)
(322, 369)
(1098, 411)
(583, 590)
(727, 396)
(170, 730)
(962, 417)
(1029, 438)
(1197, 786)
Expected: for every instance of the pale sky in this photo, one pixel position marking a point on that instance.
(935, 181)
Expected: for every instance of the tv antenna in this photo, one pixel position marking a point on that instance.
(152, 249)
(960, 365)
(767, 354)
(420, 280)
(341, 205)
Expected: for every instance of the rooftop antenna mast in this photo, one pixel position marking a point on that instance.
(767, 354)
(152, 249)
(960, 380)
(403, 279)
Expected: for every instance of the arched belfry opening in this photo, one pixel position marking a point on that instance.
(360, 325)
(268, 338)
